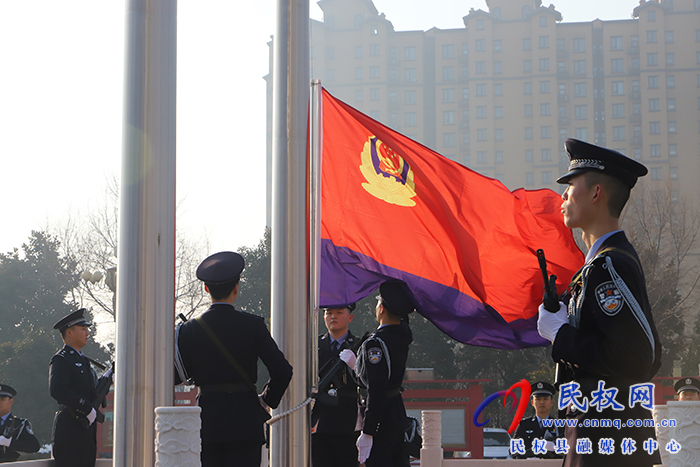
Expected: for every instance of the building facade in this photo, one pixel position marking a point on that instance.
(501, 94)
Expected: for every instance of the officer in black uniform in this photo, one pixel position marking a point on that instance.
(688, 389)
(608, 333)
(335, 412)
(72, 383)
(533, 428)
(219, 352)
(15, 433)
(381, 365)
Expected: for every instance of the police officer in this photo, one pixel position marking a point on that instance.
(534, 428)
(72, 383)
(608, 334)
(219, 352)
(381, 364)
(335, 412)
(15, 433)
(688, 389)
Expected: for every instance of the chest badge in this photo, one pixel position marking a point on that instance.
(375, 355)
(609, 298)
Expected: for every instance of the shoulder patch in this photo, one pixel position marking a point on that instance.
(609, 298)
(375, 355)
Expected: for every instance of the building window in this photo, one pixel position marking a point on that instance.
(655, 150)
(561, 44)
(528, 110)
(672, 150)
(481, 134)
(374, 72)
(655, 128)
(409, 97)
(410, 75)
(529, 178)
(528, 133)
(653, 82)
(618, 111)
(672, 127)
(448, 95)
(374, 114)
(497, 45)
(448, 73)
(465, 93)
(498, 134)
(393, 96)
(655, 173)
(409, 53)
(481, 90)
(670, 105)
(618, 88)
(544, 64)
(653, 105)
(465, 71)
(545, 132)
(581, 134)
(481, 45)
(358, 96)
(392, 75)
(652, 16)
(616, 65)
(670, 82)
(579, 45)
(527, 66)
(499, 157)
(616, 43)
(480, 68)
(465, 49)
(580, 112)
(543, 21)
(479, 24)
(481, 157)
(497, 68)
(561, 66)
(449, 140)
(579, 67)
(544, 110)
(374, 94)
(638, 153)
(546, 177)
(374, 50)
(480, 111)
(636, 109)
(669, 37)
(528, 155)
(544, 42)
(527, 46)
(651, 60)
(358, 52)
(673, 173)
(651, 37)
(637, 131)
(527, 89)
(546, 155)
(544, 87)
(497, 89)
(411, 119)
(448, 117)
(562, 111)
(448, 51)
(618, 133)
(498, 112)
(669, 59)
(358, 74)
(579, 89)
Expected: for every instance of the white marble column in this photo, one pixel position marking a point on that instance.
(660, 414)
(431, 451)
(178, 443)
(686, 433)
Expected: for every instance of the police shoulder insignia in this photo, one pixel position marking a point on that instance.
(609, 298)
(375, 355)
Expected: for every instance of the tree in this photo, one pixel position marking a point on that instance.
(35, 286)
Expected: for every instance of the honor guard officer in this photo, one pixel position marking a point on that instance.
(219, 352)
(608, 334)
(335, 412)
(381, 365)
(15, 433)
(72, 383)
(688, 389)
(533, 428)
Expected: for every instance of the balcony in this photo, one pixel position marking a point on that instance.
(464, 125)
(635, 118)
(464, 103)
(634, 50)
(636, 140)
(635, 95)
(634, 70)
(393, 62)
(562, 73)
(562, 98)
(563, 121)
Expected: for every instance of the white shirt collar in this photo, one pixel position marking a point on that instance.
(596, 246)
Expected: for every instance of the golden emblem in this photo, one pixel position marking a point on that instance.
(389, 177)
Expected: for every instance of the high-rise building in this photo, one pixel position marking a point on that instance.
(502, 94)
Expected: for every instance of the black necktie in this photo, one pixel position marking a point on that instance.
(335, 346)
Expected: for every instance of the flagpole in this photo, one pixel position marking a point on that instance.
(290, 436)
(315, 161)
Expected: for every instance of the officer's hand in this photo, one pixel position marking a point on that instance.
(5, 441)
(348, 356)
(549, 445)
(548, 323)
(263, 403)
(364, 447)
(92, 416)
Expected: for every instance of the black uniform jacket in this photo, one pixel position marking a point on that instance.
(610, 344)
(72, 381)
(340, 419)
(529, 429)
(384, 412)
(234, 415)
(25, 441)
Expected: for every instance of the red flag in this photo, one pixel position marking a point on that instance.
(464, 243)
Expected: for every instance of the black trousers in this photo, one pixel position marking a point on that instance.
(231, 454)
(73, 445)
(331, 450)
(388, 451)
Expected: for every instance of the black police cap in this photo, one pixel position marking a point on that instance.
(74, 319)
(7, 391)
(397, 297)
(221, 268)
(542, 388)
(687, 384)
(584, 157)
(350, 306)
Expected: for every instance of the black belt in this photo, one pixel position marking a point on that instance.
(224, 387)
(69, 411)
(391, 393)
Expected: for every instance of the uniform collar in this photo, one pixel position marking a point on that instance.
(76, 350)
(342, 338)
(598, 243)
(7, 415)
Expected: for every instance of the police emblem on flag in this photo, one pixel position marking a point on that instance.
(609, 298)
(389, 177)
(375, 355)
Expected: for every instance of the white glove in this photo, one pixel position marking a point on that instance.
(348, 356)
(92, 416)
(5, 441)
(548, 323)
(549, 445)
(364, 447)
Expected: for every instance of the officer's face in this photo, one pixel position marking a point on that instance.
(5, 405)
(337, 319)
(577, 198)
(542, 404)
(77, 336)
(689, 396)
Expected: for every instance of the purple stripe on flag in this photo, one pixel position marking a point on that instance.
(348, 276)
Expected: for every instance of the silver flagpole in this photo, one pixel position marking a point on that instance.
(315, 160)
(290, 436)
(146, 267)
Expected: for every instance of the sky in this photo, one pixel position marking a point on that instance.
(61, 96)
